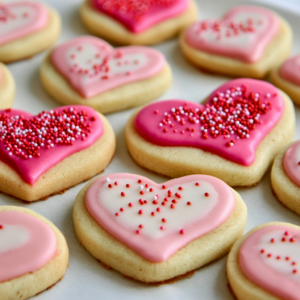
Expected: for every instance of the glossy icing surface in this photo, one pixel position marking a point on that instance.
(19, 19)
(156, 220)
(242, 34)
(291, 163)
(270, 257)
(237, 116)
(33, 144)
(290, 69)
(26, 244)
(92, 66)
(139, 15)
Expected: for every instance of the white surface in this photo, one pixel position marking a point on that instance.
(85, 277)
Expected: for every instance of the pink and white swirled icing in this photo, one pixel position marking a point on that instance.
(19, 19)
(290, 70)
(156, 220)
(31, 145)
(26, 244)
(235, 119)
(242, 34)
(92, 66)
(140, 15)
(270, 257)
(291, 163)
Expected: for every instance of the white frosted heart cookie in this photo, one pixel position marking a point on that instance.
(53, 151)
(33, 253)
(154, 232)
(7, 87)
(285, 176)
(264, 264)
(140, 22)
(27, 28)
(88, 71)
(234, 135)
(248, 42)
(287, 78)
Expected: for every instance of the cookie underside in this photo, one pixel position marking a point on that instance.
(31, 284)
(118, 256)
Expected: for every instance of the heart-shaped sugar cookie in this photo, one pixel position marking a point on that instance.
(270, 258)
(236, 118)
(290, 70)
(242, 34)
(156, 220)
(33, 144)
(26, 244)
(19, 19)
(139, 15)
(92, 66)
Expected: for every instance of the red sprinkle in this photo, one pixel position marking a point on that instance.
(128, 185)
(110, 186)
(141, 226)
(141, 212)
(182, 231)
(130, 204)
(164, 187)
(189, 203)
(163, 220)
(153, 213)
(206, 194)
(122, 194)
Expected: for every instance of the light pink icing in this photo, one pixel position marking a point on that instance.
(26, 244)
(291, 162)
(139, 15)
(290, 70)
(157, 124)
(187, 214)
(92, 66)
(270, 257)
(243, 34)
(31, 168)
(19, 19)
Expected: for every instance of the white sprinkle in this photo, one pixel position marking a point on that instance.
(107, 179)
(141, 187)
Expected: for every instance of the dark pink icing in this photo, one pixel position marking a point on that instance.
(31, 168)
(139, 15)
(239, 147)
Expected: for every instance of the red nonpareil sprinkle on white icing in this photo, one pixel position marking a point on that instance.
(1, 226)
(25, 137)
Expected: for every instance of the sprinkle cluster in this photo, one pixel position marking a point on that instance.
(26, 137)
(159, 205)
(136, 8)
(6, 14)
(285, 239)
(235, 112)
(226, 29)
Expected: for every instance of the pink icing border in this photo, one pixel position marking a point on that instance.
(155, 16)
(250, 54)
(37, 252)
(154, 66)
(289, 70)
(161, 249)
(31, 169)
(37, 24)
(262, 275)
(243, 152)
(289, 164)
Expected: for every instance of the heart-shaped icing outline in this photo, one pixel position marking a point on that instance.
(162, 248)
(155, 64)
(247, 53)
(290, 70)
(31, 169)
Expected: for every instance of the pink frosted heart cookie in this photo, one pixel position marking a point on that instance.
(233, 136)
(88, 71)
(140, 22)
(285, 176)
(27, 28)
(154, 232)
(264, 264)
(33, 253)
(48, 153)
(287, 77)
(249, 41)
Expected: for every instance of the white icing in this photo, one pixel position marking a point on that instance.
(282, 249)
(13, 237)
(16, 19)
(176, 219)
(89, 56)
(239, 39)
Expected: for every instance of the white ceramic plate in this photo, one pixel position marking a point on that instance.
(85, 277)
